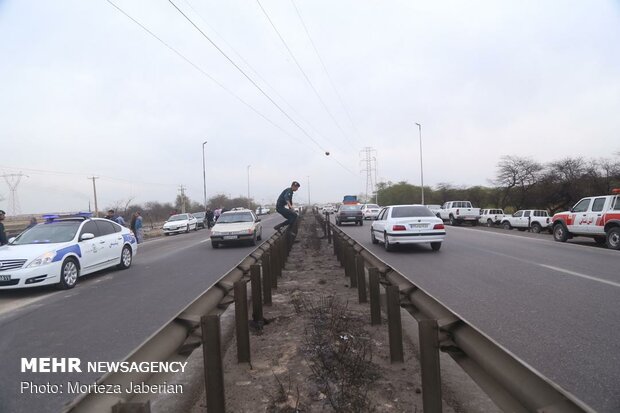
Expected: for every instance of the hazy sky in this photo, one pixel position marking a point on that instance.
(85, 91)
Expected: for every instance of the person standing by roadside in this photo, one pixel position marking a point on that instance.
(3, 239)
(136, 226)
(210, 217)
(284, 205)
(116, 218)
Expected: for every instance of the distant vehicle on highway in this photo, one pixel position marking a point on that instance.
(201, 219)
(491, 217)
(64, 248)
(349, 213)
(370, 211)
(407, 224)
(236, 226)
(350, 200)
(536, 220)
(434, 208)
(261, 210)
(180, 223)
(330, 209)
(457, 212)
(597, 217)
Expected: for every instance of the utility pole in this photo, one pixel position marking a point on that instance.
(12, 180)
(309, 203)
(249, 202)
(95, 193)
(421, 168)
(204, 174)
(182, 191)
(368, 154)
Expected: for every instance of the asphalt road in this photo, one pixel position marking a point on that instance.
(553, 305)
(107, 314)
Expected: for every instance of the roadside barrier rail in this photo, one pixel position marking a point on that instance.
(197, 323)
(511, 383)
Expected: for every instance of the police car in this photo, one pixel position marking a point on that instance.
(64, 248)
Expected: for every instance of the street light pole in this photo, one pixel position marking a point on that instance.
(204, 174)
(309, 191)
(249, 203)
(421, 168)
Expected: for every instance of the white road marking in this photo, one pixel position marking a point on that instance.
(576, 274)
(204, 240)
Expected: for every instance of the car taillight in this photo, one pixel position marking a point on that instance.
(439, 226)
(398, 228)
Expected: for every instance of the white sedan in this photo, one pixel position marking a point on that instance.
(63, 249)
(180, 223)
(370, 211)
(407, 224)
(235, 226)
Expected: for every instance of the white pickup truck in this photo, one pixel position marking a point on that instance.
(457, 212)
(535, 220)
(597, 217)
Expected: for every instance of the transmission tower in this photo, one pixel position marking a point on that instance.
(12, 180)
(368, 155)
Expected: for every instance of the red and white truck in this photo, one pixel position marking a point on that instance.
(597, 217)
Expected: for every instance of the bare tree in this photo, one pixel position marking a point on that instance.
(517, 176)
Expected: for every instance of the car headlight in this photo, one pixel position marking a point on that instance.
(42, 260)
(216, 233)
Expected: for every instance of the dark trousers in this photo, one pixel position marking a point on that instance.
(290, 215)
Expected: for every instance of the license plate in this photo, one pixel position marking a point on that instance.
(417, 225)
(230, 237)
(5, 278)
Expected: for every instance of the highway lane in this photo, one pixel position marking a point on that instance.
(553, 305)
(107, 314)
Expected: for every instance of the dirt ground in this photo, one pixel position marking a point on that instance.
(318, 351)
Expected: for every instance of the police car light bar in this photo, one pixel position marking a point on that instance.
(615, 191)
(52, 217)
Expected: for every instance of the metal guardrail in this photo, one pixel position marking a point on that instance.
(181, 335)
(511, 383)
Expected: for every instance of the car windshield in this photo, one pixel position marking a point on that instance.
(235, 217)
(372, 206)
(48, 233)
(411, 211)
(199, 214)
(179, 217)
(350, 207)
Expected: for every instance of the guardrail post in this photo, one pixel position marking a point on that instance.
(267, 278)
(375, 296)
(352, 270)
(214, 373)
(257, 293)
(394, 324)
(329, 233)
(336, 245)
(361, 279)
(429, 361)
(241, 321)
(346, 253)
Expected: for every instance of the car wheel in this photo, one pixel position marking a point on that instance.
(215, 244)
(126, 258)
(196, 227)
(373, 239)
(600, 240)
(489, 222)
(386, 243)
(253, 240)
(435, 246)
(452, 221)
(560, 233)
(260, 235)
(613, 238)
(506, 225)
(187, 229)
(69, 273)
(536, 228)
(361, 223)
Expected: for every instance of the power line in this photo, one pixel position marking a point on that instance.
(257, 73)
(247, 77)
(203, 72)
(303, 72)
(346, 110)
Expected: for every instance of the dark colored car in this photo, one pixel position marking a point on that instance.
(201, 219)
(349, 213)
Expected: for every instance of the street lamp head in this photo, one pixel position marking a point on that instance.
(418, 124)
